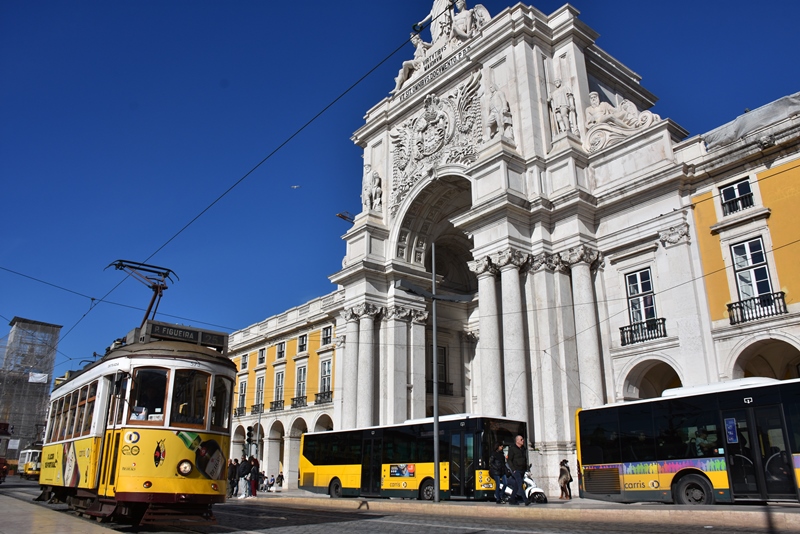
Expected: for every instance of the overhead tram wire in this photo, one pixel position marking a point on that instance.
(240, 180)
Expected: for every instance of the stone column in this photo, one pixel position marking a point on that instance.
(397, 375)
(350, 370)
(517, 392)
(492, 391)
(468, 342)
(580, 260)
(418, 397)
(365, 408)
(291, 461)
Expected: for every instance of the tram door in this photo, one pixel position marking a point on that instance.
(371, 460)
(759, 461)
(462, 464)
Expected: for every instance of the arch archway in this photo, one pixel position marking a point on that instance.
(769, 357)
(647, 379)
(323, 423)
(426, 218)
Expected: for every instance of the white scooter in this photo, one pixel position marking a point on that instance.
(533, 493)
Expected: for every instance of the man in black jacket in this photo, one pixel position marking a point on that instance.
(518, 462)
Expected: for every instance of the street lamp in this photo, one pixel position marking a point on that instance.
(416, 290)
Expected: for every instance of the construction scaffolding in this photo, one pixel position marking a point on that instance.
(25, 380)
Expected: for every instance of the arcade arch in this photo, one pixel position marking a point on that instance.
(768, 357)
(648, 379)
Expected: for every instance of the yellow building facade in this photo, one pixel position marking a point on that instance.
(285, 383)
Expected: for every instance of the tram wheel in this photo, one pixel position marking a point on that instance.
(335, 489)
(693, 489)
(426, 491)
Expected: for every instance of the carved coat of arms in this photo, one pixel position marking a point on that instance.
(446, 130)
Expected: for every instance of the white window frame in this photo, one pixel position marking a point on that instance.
(751, 268)
(325, 375)
(279, 376)
(262, 356)
(327, 335)
(281, 350)
(300, 382)
(735, 187)
(302, 343)
(259, 390)
(242, 394)
(638, 294)
(243, 364)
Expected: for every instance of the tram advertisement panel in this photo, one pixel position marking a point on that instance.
(154, 453)
(71, 464)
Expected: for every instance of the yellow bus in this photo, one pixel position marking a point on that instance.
(735, 441)
(397, 460)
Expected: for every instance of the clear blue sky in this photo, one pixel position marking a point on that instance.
(121, 121)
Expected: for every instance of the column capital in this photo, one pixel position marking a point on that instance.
(509, 258)
(482, 266)
(580, 254)
(470, 336)
(419, 317)
(545, 261)
(399, 313)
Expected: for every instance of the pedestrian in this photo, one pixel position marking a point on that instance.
(279, 480)
(254, 472)
(233, 477)
(271, 483)
(244, 474)
(564, 478)
(518, 463)
(497, 470)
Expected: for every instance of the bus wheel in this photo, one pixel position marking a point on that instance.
(426, 491)
(693, 489)
(335, 489)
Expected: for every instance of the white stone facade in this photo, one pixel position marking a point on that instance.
(528, 156)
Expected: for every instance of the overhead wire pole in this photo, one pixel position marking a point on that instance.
(416, 290)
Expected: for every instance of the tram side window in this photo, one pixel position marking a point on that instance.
(148, 394)
(84, 392)
(73, 409)
(221, 403)
(688, 428)
(600, 443)
(87, 418)
(189, 395)
(55, 413)
(118, 390)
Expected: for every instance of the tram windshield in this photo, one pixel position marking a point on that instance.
(148, 394)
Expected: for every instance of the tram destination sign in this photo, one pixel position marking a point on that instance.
(215, 340)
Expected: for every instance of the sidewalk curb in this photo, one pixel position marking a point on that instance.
(762, 518)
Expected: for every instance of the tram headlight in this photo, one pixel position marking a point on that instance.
(184, 467)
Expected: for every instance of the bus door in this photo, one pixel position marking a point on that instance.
(759, 462)
(371, 462)
(462, 464)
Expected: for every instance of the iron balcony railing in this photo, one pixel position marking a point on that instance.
(445, 388)
(738, 204)
(256, 409)
(323, 398)
(240, 411)
(645, 331)
(766, 305)
(276, 406)
(299, 402)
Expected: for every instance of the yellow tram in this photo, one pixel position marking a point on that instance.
(30, 463)
(141, 435)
